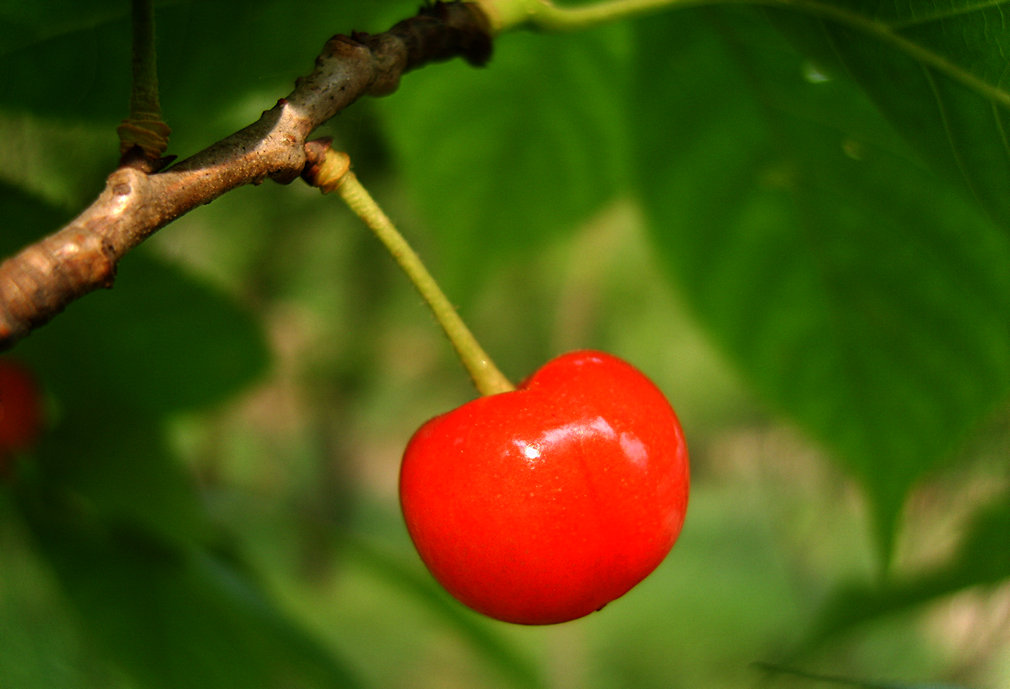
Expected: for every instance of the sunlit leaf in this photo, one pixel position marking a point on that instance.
(859, 294)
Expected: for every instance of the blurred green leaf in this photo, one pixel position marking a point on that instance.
(26, 218)
(117, 516)
(982, 560)
(160, 340)
(219, 64)
(42, 645)
(63, 164)
(116, 464)
(173, 616)
(77, 49)
(857, 292)
(472, 627)
(771, 670)
(937, 70)
(508, 157)
(26, 24)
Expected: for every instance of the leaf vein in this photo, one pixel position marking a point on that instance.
(968, 8)
(1001, 128)
(945, 119)
(887, 33)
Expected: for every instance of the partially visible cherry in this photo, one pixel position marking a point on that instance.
(20, 411)
(543, 504)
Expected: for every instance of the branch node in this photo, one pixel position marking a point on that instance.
(325, 168)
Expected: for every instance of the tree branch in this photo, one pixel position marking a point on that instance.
(41, 280)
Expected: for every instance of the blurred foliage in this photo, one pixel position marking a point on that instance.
(830, 260)
(794, 220)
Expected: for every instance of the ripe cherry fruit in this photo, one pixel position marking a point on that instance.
(543, 504)
(20, 411)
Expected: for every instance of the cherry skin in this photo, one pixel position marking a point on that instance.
(544, 504)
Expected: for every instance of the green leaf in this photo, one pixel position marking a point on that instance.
(505, 158)
(937, 70)
(48, 158)
(173, 616)
(42, 644)
(26, 24)
(471, 626)
(116, 516)
(26, 217)
(159, 342)
(771, 670)
(83, 51)
(219, 65)
(858, 293)
(160, 339)
(982, 560)
(121, 470)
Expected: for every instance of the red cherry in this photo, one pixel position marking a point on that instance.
(20, 410)
(544, 504)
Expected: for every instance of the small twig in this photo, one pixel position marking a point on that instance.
(45, 277)
(144, 128)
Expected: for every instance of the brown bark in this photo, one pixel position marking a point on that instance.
(41, 280)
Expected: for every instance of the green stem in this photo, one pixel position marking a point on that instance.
(545, 15)
(485, 375)
(144, 98)
(144, 126)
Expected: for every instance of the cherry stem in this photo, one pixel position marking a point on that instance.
(335, 174)
(144, 126)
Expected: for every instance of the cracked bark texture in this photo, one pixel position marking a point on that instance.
(42, 279)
